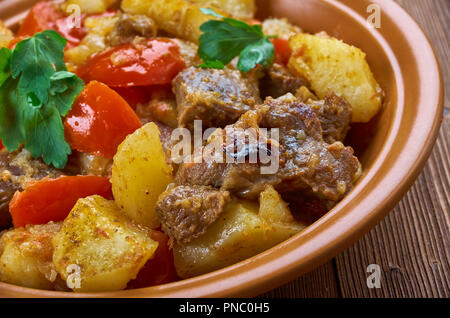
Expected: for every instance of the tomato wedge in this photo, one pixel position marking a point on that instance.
(52, 199)
(99, 121)
(282, 50)
(152, 62)
(135, 95)
(45, 15)
(42, 16)
(158, 270)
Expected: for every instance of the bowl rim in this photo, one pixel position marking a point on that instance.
(325, 238)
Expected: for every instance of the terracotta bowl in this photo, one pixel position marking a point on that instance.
(405, 65)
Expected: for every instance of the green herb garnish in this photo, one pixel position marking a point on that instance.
(35, 91)
(223, 40)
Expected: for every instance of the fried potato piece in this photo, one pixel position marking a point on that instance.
(94, 41)
(180, 18)
(5, 35)
(243, 230)
(100, 249)
(280, 27)
(140, 174)
(239, 9)
(332, 65)
(26, 256)
(89, 6)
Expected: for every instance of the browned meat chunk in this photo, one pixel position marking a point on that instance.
(217, 97)
(278, 81)
(306, 162)
(187, 211)
(165, 134)
(129, 27)
(207, 173)
(87, 164)
(161, 107)
(17, 169)
(334, 114)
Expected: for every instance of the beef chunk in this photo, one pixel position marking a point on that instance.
(207, 173)
(306, 162)
(217, 97)
(334, 114)
(187, 211)
(87, 164)
(165, 134)
(128, 27)
(17, 170)
(278, 81)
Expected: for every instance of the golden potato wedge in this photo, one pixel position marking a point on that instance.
(239, 9)
(140, 174)
(332, 65)
(94, 41)
(99, 248)
(280, 27)
(26, 256)
(88, 6)
(180, 18)
(243, 230)
(5, 35)
(273, 209)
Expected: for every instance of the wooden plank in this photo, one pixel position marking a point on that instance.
(412, 244)
(434, 17)
(319, 283)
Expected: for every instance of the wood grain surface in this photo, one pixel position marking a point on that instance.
(411, 245)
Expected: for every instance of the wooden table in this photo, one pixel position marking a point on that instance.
(411, 245)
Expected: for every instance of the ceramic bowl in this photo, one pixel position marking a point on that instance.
(405, 65)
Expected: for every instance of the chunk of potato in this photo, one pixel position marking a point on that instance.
(332, 65)
(273, 209)
(239, 9)
(100, 249)
(243, 230)
(5, 35)
(94, 41)
(26, 256)
(88, 6)
(280, 27)
(140, 174)
(180, 18)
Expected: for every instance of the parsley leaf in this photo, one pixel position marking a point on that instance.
(64, 88)
(35, 59)
(223, 40)
(5, 57)
(44, 134)
(12, 130)
(260, 52)
(36, 90)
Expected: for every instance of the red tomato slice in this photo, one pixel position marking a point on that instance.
(254, 22)
(282, 50)
(155, 61)
(52, 199)
(45, 15)
(160, 269)
(99, 121)
(42, 16)
(135, 95)
(72, 34)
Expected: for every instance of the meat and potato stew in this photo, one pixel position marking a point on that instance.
(149, 141)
